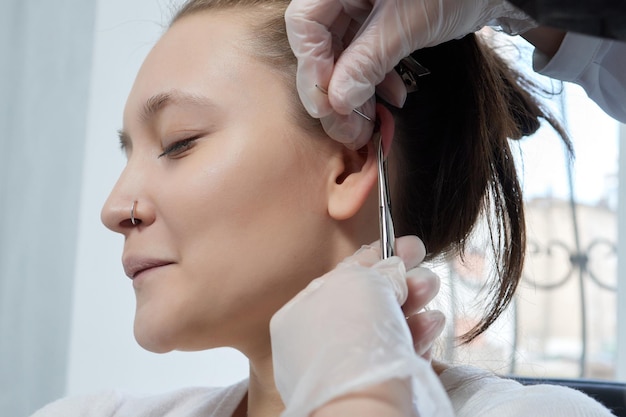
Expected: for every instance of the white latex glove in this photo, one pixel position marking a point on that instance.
(386, 32)
(346, 331)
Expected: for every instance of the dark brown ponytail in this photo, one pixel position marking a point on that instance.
(454, 162)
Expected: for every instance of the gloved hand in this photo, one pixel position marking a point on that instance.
(425, 326)
(386, 31)
(346, 331)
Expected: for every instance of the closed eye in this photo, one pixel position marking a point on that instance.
(179, 147)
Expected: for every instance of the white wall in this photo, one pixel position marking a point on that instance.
(103, 353)
(45, 50)
(621, 264)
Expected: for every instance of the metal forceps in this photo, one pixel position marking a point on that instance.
(385, 222)
(387, 235)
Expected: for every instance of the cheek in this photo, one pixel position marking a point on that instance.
(248, 188)
(250, 232)
(258, 209)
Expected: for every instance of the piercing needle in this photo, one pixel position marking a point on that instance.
(360, 113)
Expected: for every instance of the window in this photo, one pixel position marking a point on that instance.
(563, 320)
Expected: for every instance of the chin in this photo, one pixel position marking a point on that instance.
(152, 344)
(161, 336)
(153, 337)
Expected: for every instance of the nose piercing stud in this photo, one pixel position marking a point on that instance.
(132, 214)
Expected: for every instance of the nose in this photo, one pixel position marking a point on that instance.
(128, 206)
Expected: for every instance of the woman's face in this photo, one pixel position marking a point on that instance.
(230, 193)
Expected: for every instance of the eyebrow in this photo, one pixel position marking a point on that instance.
(158, 102)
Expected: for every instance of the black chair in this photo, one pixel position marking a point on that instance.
(611, 394)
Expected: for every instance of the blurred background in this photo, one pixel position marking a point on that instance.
(66, 307)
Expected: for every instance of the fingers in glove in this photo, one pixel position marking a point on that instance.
(308, 24)
(409, 253)
(425, 328)
(372, 54)
(409, 248)
(308, 15)
(392, 89)
(423, 285)
(352, 129)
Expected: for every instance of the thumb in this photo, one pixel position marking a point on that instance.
(312, 26)
(408, 248)
(378, 47)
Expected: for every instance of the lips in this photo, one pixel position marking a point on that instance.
(135, 266)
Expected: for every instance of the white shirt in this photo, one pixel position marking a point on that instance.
(473, 393)
(597, 65)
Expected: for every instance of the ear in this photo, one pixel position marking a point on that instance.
(355, 174)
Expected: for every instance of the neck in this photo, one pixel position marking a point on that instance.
(263, 398)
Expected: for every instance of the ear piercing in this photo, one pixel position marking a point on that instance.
(357, 111)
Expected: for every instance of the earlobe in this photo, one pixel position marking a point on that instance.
(355, 177)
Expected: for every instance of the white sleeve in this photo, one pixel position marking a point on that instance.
(100, 405)
(537, 401)
(189, 402)
(475, 392)
(598, 65)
